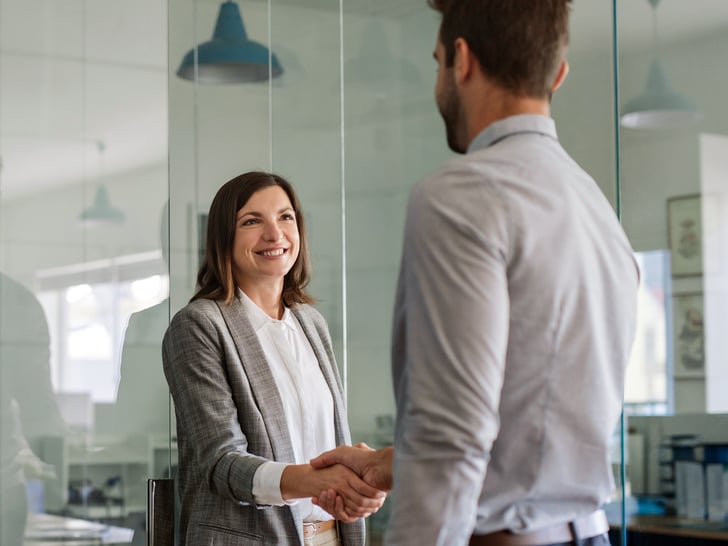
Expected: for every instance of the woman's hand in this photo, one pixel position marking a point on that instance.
(356, 498)
(374, 467)
(333, 503)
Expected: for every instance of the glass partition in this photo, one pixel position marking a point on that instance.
(110, 161)
(306, 141)
(673, 150)
(394, 136)
(351, 122)
(83, 278)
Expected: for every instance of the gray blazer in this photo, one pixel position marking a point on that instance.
(230, 420)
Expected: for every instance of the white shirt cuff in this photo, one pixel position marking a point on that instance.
(267, 484)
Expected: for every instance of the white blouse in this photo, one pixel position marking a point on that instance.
(306, 398)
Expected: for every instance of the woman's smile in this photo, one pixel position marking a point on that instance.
(275, 253)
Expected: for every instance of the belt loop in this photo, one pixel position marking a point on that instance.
(309, 530)
(575, 533)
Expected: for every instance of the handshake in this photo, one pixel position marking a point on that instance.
(361, 497)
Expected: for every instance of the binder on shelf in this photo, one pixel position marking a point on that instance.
(716, 481)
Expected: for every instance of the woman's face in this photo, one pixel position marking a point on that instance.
(266, 241)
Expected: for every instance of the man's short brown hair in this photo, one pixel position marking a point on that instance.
(519, 43)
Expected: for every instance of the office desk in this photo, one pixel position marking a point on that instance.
(671, 531)
(49, 530)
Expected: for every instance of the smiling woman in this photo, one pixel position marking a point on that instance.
(245, 213)
(265, 247)
(256, 388)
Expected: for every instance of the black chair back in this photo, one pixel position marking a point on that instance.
(160, 512)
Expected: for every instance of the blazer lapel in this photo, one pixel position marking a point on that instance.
(327, 369)
(262, 382)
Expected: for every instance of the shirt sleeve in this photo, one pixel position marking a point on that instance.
(267, 484)
(449, 344)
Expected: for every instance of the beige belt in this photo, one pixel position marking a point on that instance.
(312, 528)
(581, 528)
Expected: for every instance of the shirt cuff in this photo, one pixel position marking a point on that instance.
(267, 484)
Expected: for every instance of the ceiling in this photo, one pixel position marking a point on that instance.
(75, 74)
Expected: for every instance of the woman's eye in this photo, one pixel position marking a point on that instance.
(288, 217)
(249, 222)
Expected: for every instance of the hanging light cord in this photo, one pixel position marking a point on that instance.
(655, 36)
(270, 89)
(342, 151)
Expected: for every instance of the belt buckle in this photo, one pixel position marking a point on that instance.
(309, 529)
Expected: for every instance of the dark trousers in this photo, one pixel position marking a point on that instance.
(599, 540)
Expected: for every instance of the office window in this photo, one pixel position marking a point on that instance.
(648, 389)
(87, 307)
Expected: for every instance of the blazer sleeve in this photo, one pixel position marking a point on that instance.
(212, 440)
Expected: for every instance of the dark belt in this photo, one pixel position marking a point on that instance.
(584, 527)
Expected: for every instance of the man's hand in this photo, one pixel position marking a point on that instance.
(374, 466)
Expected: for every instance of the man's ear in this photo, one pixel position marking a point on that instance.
(463, 61)
(560, 75)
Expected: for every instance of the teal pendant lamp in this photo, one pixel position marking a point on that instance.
(102, 211)
(230, 57)
(659, 106)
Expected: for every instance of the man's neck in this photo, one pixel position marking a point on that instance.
(500, 106)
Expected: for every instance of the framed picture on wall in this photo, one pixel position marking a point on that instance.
(685, 235)
(688, 335)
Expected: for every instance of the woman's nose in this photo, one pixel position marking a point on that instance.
(272, 232)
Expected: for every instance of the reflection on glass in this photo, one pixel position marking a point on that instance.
(93, 81)
(29, 408)
(91, 324)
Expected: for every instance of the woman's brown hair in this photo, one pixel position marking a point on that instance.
(215, 280)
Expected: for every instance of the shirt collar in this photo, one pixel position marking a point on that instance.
(258, 318)
(503, 128)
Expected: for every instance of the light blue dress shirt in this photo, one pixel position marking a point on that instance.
(514, 317)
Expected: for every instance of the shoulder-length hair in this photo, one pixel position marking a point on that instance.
(215, 279)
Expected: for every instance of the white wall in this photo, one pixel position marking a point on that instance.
(714, 187)
(655, 164)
